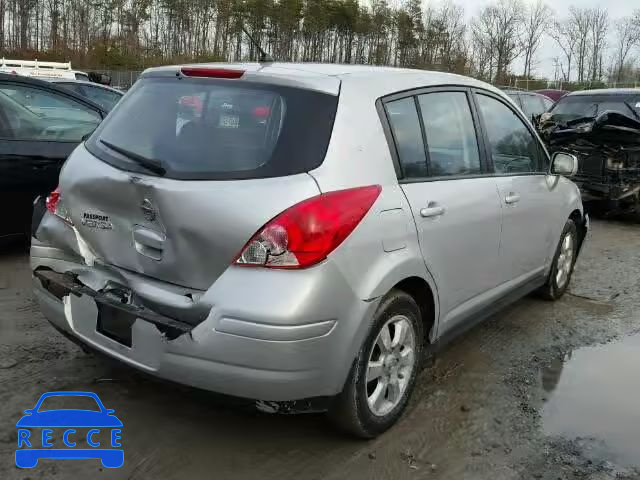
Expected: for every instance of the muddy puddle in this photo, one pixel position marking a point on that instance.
(593, 397)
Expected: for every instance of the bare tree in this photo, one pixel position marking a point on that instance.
(535, 25)
(567, 39)
(627, 36)
(599, 25)
(497, 36)
(579, 22)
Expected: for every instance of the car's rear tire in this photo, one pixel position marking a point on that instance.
(563, 261)
(384, 373)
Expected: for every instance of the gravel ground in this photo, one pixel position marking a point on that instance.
(478, 411)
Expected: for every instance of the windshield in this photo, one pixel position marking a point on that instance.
(580, 106)
(217, 129)
(107, 99)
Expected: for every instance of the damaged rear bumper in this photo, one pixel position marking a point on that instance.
(294, 341)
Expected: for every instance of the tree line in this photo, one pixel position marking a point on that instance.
(485, 43)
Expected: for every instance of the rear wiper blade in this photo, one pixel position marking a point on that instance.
(154, 166)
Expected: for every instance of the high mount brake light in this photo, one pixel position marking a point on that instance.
(211, 72)
(306, 233)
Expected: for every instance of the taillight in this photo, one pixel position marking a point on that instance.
(54, 205)
(52, 200)
(306, 233)
(211, 72)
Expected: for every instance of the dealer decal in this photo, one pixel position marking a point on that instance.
(96, 220)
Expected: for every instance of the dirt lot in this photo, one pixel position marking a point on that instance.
(542, 390)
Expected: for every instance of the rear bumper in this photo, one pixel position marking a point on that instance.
(269, 336)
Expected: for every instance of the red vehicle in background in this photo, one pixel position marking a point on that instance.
(553, 94)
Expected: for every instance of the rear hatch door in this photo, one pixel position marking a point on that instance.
(185, 171)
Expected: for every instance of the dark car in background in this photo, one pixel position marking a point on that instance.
(103, 95)
(532, 104)
(602, 128)
(40, 125)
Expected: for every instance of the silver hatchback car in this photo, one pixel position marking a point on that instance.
(302, 235)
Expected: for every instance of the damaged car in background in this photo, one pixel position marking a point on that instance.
(602, 128)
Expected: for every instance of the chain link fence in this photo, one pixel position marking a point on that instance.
(526, 84)
(122, 79)
(125, 78)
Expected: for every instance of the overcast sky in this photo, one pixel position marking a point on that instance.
(549, 49)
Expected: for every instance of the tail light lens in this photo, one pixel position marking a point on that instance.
(56, 206)
(52, 200)
(306, 233)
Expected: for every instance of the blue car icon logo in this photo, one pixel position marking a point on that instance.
(64, 428)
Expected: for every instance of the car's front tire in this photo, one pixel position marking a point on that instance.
(384, 373)
(563, 263)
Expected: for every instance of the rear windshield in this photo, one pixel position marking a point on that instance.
(580, 106)
(216, 129)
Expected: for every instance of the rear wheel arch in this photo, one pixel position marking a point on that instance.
(422, 293)
(581, 226)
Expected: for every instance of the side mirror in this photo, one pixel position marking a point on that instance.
(563, 163)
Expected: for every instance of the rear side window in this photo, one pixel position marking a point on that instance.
(218, 129)
(405, 126)
(450, 132)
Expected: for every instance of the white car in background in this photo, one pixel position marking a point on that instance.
(34, 68)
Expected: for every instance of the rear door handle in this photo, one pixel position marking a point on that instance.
(433, 210)
(512, 198)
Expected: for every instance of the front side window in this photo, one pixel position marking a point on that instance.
(451, 135)
(29, 113)
(405, 126)
(532, 105)
(514, 149)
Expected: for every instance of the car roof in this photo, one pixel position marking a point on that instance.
(372, 80)
(606, 91)
(36, 82)
(82, 82)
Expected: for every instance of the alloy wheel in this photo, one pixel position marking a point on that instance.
(390, 366)
(564, 264)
